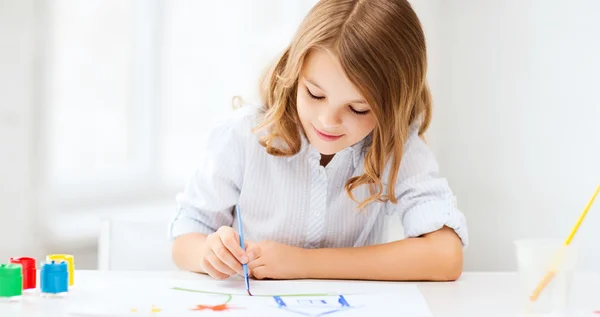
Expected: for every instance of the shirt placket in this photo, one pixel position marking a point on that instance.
(318, 206)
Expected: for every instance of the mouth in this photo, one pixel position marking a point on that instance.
(325, 136)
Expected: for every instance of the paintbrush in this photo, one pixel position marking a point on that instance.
(560, 254)
(242, 244)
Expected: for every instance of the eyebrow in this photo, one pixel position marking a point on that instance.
(314, 84)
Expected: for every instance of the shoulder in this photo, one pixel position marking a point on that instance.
(416, 150)
(236, 125)
(240, 120)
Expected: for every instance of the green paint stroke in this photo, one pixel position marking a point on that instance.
(229, 296)
(217, 293)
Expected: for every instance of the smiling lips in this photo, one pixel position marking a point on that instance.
(327, 137)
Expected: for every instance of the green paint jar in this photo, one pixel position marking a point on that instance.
(11, 281)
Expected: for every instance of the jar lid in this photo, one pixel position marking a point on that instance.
(26, 262)
(10, 270)
(54, 266)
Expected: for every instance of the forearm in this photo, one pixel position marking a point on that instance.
(424, 258)
(186, 251)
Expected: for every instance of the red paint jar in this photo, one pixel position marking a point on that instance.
(28, 269)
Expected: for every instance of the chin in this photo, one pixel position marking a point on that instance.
(327, 150)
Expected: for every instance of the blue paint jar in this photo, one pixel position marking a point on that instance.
(54, 279)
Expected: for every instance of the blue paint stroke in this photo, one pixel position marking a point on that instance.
(344, 305)
(279, 301)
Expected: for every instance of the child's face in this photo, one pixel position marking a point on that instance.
(333, 114)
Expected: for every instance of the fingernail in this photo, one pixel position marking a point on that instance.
(251, 256)
(244, 259)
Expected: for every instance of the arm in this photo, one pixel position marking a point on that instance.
(218, 254)
(185, 251)
(206, 204)
(436, 256)
(436, 230)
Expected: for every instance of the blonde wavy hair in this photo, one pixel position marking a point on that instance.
(381, 47)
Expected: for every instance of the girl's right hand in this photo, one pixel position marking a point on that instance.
(222, 255)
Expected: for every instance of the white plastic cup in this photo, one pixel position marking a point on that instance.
(534, 260)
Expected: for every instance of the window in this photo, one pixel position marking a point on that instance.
(130, 88)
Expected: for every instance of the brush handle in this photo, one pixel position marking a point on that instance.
(243, 245)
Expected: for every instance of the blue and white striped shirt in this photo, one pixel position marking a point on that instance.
(296, 201)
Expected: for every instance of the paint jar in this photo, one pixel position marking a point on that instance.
(29, 272)
(54, 279)
(69, 259)
(11, 282)
(535, 259)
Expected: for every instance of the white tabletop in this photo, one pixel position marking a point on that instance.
(474, 294)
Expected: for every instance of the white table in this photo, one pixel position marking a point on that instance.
(474, 294)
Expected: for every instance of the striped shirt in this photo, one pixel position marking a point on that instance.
(296, 201)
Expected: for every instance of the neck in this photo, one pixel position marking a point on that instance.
(325, 159)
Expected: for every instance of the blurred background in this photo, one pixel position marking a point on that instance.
(105, 104)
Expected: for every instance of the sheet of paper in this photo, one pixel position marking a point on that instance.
(383, 304)
(273, 298)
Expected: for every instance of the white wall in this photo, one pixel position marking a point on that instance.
(518, 121)
(516, 125)
(17, 169)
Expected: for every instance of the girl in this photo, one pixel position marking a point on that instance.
(336, 146)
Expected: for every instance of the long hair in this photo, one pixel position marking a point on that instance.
(381, 47)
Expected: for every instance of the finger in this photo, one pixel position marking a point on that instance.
(219, 265)
(260, 272)
(255, 263)
(249, 243)
(253, 251)
(223, 254)
(231, 241)
(211, 271)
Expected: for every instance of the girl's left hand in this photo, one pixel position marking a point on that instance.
(273, 260)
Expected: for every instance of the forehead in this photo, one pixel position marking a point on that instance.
(322, 67)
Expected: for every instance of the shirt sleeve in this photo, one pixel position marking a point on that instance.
(209, 196)
(425, 201)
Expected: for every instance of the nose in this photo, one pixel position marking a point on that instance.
(330, 119)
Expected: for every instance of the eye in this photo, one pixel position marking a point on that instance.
(361, 113)
(313, 96)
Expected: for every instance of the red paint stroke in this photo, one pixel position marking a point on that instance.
(597, 312)
(221, 307)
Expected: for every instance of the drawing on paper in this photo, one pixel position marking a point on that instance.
(153, 309)
(220, 307)
(314, 307)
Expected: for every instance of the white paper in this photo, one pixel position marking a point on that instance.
(272, 298)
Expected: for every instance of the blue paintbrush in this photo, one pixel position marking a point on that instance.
(242, 244)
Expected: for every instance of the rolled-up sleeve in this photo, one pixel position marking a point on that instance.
(425, 201)
(209, 196)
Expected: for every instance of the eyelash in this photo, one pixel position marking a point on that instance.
(360, 113)
(313, 96)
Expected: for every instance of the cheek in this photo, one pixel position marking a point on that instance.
(304, 108)
(361, 125)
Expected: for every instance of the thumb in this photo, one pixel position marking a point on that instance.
(253, 251)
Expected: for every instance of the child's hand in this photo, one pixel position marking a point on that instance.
(222, 255)
(273, 260)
